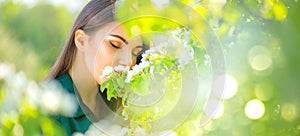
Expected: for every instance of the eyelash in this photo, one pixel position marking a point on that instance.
(113, 45)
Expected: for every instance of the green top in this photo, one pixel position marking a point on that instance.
(81, 121)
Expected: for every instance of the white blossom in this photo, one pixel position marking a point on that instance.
(33, 92)
(121, 68)
(18, 88)
(129, 76)
(50, 101)
(68, 106)
(124, 131)
(105, 127)
(6, 70)
(125, 115)
(207, 61)
(140, 131)
(183, 61)
(77, 134)
(151, 70)
(176, 32)
(136, 69)
(106, 72)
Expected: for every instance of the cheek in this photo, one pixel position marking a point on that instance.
(104, 57)
(89, 59)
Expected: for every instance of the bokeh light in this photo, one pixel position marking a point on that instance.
(219, 112)
(230, 87)
(225, 86)
(263, 91)
(261, 62)
(260, 58)
(214, 109)
(254, 109)
(18, 130)
(289, 112)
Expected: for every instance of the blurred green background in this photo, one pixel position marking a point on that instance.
(260, 41)
(33, 33)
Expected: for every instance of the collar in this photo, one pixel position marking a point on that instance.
(67, 83)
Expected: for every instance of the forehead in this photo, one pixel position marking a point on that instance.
(115, 28)
(112, 28)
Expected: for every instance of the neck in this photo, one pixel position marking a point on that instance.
(84, 81)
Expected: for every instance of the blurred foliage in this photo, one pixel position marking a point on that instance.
(30, 122)
(35, 34)
(260, 43)
(26, 107)
(274, 27)
(15, 52)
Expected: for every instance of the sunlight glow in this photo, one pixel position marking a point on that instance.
(254, 109)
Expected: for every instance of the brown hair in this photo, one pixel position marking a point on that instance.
(93, 16)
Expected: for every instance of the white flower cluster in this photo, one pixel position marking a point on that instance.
(207, 60)
(16, 88)
(121, 68)
(184, 37)
(107, 128)
(54, 100)
(184, 57)
(106, 72)
(136, 69)
(104, 128)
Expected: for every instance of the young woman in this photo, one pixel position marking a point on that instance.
(96, 41)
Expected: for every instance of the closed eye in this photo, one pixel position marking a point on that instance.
(116, 41)
(113, 45)
(120, 37)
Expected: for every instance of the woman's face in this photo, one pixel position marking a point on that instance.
(110, 46)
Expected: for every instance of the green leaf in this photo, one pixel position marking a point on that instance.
(103, 85)
(110, 91)
(142, 87)
(121, 82)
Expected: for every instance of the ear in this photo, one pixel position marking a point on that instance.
(80, 39)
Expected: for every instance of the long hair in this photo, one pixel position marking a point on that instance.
(92, 17)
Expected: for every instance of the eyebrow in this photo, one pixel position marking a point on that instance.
(120, 37)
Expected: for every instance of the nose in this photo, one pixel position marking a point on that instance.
(123, 57)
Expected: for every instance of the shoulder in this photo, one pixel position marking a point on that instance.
(66, 82)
